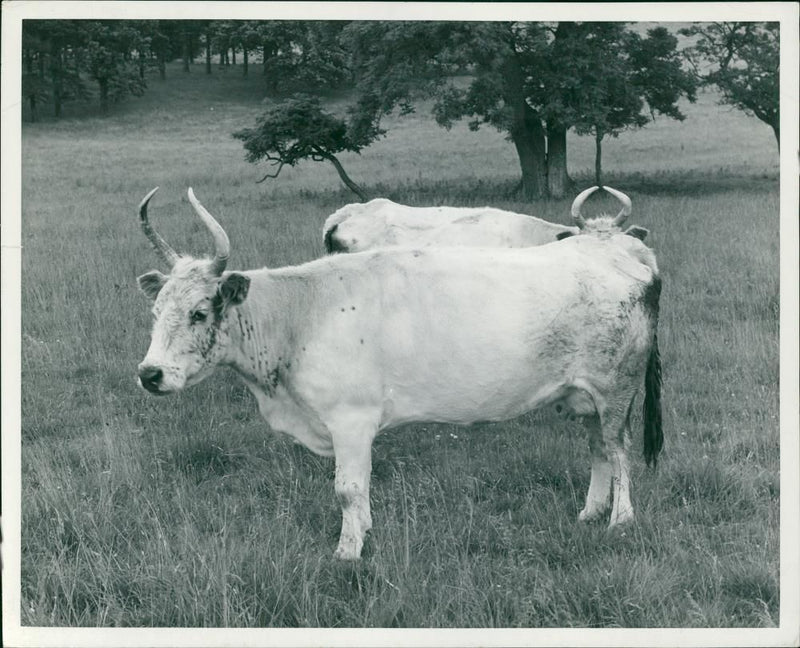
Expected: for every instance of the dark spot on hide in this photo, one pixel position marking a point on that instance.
(273, 378)
(563, 235)
(362, 340)
(217, 307)
(352, 308)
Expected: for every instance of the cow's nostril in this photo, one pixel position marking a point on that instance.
(150, 377)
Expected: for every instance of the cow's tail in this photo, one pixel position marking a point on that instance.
(651, 409)
(653, 432)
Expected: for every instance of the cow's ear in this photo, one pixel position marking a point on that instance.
(637, 232)
(233, 289)
(151, 283)
(563, 235)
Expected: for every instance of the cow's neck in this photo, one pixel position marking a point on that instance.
(261, 336)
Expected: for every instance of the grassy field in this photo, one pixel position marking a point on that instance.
(188, 511)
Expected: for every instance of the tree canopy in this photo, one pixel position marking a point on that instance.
(533, 81)
(744, 63)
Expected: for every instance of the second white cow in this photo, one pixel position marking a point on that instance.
(381, 223)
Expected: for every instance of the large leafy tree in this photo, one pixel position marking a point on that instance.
(624, 80)
(742, 59)
(533, 81)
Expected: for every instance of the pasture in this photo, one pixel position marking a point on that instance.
(187, 511)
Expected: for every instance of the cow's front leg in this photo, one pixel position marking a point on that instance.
(353, 450)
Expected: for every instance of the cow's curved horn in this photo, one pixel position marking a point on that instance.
(626, 206)
(578, 203)
(221, 243)
(163, 248)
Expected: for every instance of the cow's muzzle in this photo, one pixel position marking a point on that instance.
(150, 378)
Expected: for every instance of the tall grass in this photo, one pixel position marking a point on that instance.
(188, 511)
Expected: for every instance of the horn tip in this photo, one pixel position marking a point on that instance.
(147, 198)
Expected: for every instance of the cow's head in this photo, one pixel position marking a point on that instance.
(604, 226)
(364, 228)
(190, 305)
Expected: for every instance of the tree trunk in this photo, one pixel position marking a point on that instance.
(162, 66)
(56, 72)
(558, 180)
(598, 158)
(526, 132)
(264, 57)
(185, 52)
(244, 61)
(103, 83)
(233, 55)
(529, 142)
(208, 52)
(352, 186)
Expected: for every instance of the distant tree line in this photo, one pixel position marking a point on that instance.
(66, 60)
(533, 81)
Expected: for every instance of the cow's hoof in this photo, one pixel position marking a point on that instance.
(591, 514)
(623, 517)
(347, 553)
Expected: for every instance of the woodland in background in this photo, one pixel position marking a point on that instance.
(533, 81)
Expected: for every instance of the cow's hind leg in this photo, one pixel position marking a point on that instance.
(617, 439)
(352, 446)
(598, 499)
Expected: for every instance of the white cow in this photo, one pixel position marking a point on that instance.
(381, 222)
(340, 348)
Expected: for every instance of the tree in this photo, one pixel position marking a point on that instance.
(51, 53)
(107, 60)
(246, 37)
(744, 59)
(533, 81)
(626, 80)
(298, 129)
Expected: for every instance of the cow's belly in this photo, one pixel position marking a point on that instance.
(449, 400)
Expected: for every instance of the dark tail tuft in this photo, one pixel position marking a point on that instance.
(653, 434)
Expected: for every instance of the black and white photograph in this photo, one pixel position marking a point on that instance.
(400, 324)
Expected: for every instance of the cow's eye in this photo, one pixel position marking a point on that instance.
(197, 316)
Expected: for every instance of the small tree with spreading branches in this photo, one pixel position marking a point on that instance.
(298, 129)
